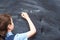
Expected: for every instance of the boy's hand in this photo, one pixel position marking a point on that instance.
(25, 15)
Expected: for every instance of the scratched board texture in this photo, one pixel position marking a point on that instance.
(45, 14)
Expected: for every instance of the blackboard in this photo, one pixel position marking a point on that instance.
(45, 15)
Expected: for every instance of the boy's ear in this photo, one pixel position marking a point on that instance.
(9, 26)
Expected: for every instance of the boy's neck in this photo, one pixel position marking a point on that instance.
(9, 30)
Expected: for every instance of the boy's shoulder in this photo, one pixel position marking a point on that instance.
(11, 37)
(22, 36)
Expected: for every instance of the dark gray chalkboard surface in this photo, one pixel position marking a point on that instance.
(45, 15)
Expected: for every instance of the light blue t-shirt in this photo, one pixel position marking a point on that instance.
(22, 36)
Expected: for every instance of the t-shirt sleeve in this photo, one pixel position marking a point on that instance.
(22, 36)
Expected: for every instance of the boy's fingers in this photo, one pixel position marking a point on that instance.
(22, 14)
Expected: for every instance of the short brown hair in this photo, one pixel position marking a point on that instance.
(5, 19)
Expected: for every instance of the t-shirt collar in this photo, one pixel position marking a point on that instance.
(9, 33)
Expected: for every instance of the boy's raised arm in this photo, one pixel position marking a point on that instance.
(31, 25)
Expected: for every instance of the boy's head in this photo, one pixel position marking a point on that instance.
(6, 22)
